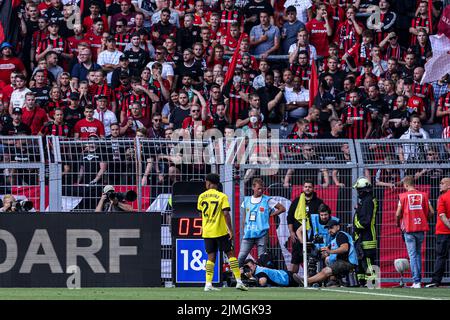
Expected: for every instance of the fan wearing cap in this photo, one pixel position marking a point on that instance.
(340, 256)
(364, 231)
(73, 113)
(107, 117)
(108, 202)
(88, 126)
(8, 63)
(15, 127)
(109, 59)
(123, 69)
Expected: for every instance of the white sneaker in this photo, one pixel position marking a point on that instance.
(416, 286)
(210, 288)
(241, 286)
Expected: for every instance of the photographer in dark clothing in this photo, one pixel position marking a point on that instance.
(312, 207)
(111, 202)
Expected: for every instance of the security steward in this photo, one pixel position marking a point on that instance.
(364, 232)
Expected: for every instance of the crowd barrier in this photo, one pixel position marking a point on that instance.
(61, 179)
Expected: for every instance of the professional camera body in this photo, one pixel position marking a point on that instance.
(129, 196)
(22, 206)
(314, 255)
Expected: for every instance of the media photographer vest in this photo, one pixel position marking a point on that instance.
(318, 229)
(257, 217)
(275, 276)
(352, 256)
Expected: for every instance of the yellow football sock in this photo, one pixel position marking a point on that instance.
(209, 271)
(234, 265)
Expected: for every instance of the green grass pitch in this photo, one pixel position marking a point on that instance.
(224, 294)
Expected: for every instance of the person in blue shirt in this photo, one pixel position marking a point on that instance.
(340, 256)
(258, 209)
(290, 29)
(267, 276)
(319, 237)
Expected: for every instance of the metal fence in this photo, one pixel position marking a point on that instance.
(387, 162)
(331, 165)
(74, 173)
(22, 170)
(82, 168)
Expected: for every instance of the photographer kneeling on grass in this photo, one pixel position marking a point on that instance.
(340, 256)
(112, 201)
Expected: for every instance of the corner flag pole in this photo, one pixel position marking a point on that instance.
(305, 264)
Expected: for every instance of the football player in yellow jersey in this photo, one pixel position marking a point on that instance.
(217, 230)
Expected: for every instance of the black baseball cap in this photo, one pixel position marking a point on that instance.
(74, 96)
(331, 223)
(291, 9)
(17, 110)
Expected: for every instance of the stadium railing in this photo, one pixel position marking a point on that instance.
(22, 168)
(52, 180)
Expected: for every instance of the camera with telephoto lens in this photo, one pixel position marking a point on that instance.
(23, 205)
(247, 269)
(129, 196)
(318, 239)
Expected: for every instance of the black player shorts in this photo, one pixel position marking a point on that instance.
(341, 267)
(222, 244)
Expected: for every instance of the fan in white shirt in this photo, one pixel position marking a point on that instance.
(107, 117)
(109, 58)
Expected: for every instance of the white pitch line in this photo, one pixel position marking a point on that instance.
(381, 294)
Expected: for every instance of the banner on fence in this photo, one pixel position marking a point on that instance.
(80, 250)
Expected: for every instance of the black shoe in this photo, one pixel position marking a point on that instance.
(331, 283)
(298, 279)
(432, 285)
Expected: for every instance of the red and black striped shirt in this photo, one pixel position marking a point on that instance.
(59, 45)
(236, 104)
(105, 90)
(418, 22)
(38, 36)
(303, 72)
(144, 100)
(426, 92)
(444, 104)
(361, 120)
(346, 36)
(122, 39)
(53, 129)
(313, 129)
(120, 93)
(229, 17)
(52, 105)
(394, 52)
